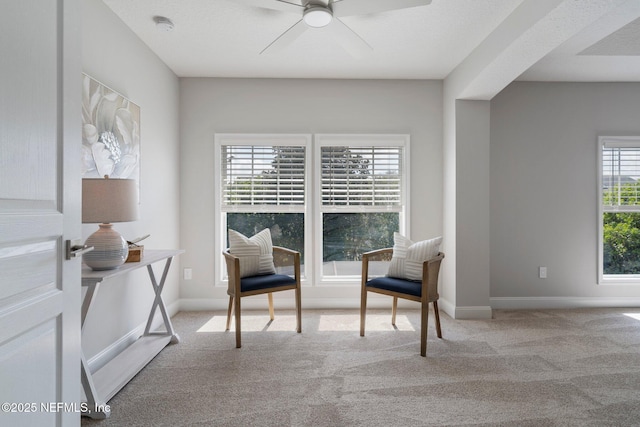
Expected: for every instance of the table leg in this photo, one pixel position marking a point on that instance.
(95, 409)
(87, 302)
(159, 303)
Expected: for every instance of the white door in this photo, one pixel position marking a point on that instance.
(40, 121)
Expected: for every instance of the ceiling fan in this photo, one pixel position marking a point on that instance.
(325, 14)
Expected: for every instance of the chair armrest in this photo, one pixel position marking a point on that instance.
(283, 257)
(233, 270)
(377, 255)
(430, 272)
(433, 262)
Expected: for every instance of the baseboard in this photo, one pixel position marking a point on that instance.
(465, 313)
(473, 312)
(376, 302)
(259, 302)
(524, 303)
(445, 306)
(111, 351)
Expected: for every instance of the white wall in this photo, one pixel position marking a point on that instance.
(209, 106)
(113, 55)
(544, 191)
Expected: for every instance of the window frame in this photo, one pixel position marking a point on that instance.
(220, 223)
(312, 207)
(355, 140)
(613, 142)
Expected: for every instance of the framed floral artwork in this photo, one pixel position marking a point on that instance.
(110, 133)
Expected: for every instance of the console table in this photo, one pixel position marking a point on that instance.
(101, 385)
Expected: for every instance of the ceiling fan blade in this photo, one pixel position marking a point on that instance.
(286, 38)
(281, 5)
(364, 7)
(348, 39)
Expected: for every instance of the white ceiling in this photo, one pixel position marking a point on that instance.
(224, 38)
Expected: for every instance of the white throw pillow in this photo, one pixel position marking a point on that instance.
(408, 256)
(255, 253)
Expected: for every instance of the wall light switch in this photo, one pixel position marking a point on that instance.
(542, 273)
(187, 274)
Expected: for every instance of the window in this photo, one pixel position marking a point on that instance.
(356, 203)
(262, 184)
(362, 197)
(620, 208)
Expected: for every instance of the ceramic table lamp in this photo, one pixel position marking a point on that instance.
(105, 201)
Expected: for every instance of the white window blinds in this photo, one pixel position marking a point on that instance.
(262, 175)
(361, 176)
(621, 177)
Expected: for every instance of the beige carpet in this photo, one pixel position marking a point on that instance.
(522, 368)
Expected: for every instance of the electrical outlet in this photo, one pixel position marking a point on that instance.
(187, 274)
(542, 272)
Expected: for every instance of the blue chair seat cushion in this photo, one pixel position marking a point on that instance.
(394, 284)
(253, 283)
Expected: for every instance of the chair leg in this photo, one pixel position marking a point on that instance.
(298, 310)
(363, 310)
(237, 314)
(229, 311)
(271, 313)
(424, 320)
(394, 309)
(437, 314)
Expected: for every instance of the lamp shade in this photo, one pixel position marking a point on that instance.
(106, 200)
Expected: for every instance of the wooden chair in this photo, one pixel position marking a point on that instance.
(264, 284)
(424, 292)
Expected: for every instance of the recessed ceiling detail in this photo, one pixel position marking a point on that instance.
(624, 42)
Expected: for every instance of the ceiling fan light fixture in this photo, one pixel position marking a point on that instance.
(317, 16)
(163, 24)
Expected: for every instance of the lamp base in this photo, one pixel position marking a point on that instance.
(110, 249)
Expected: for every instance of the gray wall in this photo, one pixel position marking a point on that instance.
(209, 106)
(472, 209)
(542, 180)
(544, 191)
(113, 55)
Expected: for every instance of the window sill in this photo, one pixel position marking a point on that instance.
(622, 279)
